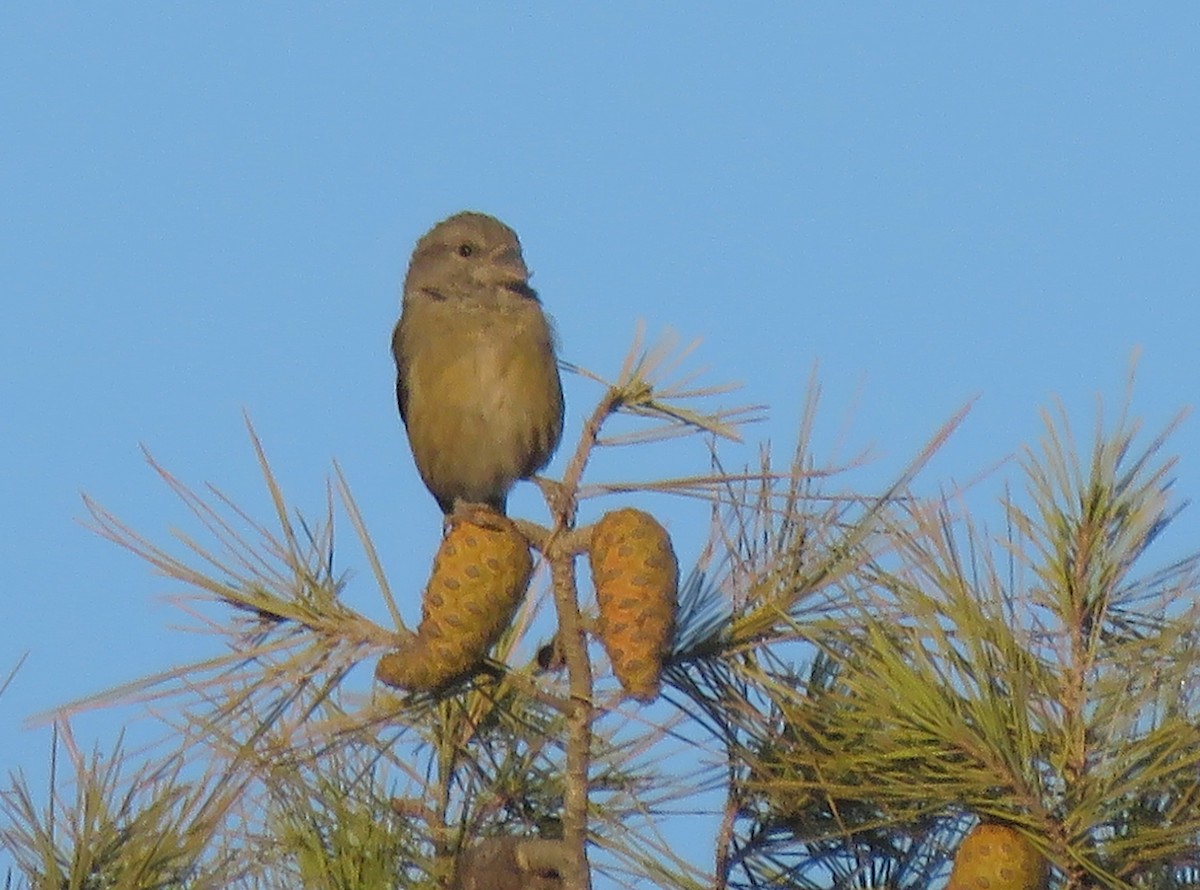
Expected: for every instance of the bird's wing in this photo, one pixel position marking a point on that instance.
(401, 374)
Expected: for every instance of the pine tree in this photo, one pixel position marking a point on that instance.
(850, 685)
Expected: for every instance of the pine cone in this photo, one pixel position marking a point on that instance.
(996, 857)
(636, 576)
(480, 573)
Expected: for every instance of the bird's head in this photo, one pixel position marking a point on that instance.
(469, 255)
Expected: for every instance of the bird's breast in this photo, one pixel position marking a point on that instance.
(484, 364)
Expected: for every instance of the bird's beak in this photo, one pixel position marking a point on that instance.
(509, 259)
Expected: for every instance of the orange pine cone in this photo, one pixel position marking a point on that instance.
(996, 857)
(479, 575)
(636, 576)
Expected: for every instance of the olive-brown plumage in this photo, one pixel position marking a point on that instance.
(476, 375)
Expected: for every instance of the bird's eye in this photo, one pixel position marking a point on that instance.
(465, 250)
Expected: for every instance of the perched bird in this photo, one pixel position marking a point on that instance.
(476, 374)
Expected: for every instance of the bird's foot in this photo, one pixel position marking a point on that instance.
(483, 515)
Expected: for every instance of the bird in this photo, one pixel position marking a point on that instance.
(477, 378)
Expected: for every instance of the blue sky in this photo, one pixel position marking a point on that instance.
(208, 208)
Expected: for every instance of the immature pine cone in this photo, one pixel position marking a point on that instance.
(636, 576)
(479, 575)
(996, 857)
